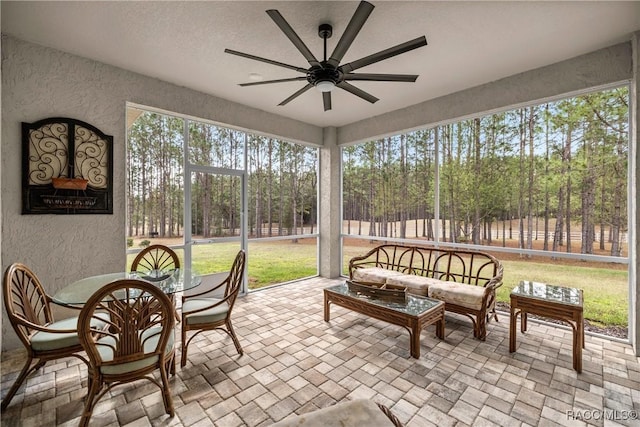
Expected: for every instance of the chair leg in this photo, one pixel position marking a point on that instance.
(232, 334)
(89, 403)
(166, 392)
(171, 364)
(26, 369)
(184, 344)
(39, 365)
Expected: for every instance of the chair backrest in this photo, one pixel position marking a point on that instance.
(141, 323)
(155, 258)
(25, 300)
(235, 278)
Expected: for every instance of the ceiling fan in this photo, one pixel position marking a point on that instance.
(328, 74)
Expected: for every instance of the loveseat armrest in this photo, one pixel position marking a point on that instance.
(363, 261)
(496, 281)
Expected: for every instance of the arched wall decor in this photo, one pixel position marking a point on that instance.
(67, 168)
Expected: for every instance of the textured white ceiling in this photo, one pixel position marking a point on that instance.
(470, 43)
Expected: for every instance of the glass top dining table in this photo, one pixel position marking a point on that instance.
(79, 292)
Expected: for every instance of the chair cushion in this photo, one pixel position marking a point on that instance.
(361, 412)
(211, 315)
(418, 285)
(469, 296)
(374, 274)
(149, 338)
(46, 341)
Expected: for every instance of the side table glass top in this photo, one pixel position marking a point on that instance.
(170, 282)
(546, 292)
(413, 305)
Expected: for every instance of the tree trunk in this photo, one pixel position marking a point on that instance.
(531, 179)
(270, 185)
(547, 209)
(475, 228)
(618, 195)
(521, 178)
(568, 215)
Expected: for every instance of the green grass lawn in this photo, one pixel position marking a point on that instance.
(281, 261)
(606, 291)
(269, 262)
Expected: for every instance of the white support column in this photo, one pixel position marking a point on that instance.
(634, 193)
(329, 211)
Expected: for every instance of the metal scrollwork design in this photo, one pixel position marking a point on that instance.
(91, 157)
(48, 155)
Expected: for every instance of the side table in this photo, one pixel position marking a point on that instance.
(555, 302)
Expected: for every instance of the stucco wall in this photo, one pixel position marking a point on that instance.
(39, 82)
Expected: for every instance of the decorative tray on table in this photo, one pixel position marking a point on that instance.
(393, 293)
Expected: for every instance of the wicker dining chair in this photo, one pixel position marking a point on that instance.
(29, 312)
(207, 313)
(139, 340)
(155, 258)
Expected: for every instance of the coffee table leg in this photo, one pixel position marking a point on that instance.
(414, 339)
(326, 308)
(512, 329)
(440, 328)
(578, 343)
(577, 349)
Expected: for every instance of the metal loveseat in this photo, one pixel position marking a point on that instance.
(465, 280)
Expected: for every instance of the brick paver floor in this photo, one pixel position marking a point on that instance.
(294, 363)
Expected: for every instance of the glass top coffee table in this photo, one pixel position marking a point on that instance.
(555, 302)
(415, 313)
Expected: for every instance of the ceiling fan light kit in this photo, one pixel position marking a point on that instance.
(325, 85)
(328, 74)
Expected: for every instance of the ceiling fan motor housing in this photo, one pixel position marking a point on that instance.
(323, 73)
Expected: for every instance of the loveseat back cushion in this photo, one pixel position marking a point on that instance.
(374, 274)
(468, 296)
(418, 285)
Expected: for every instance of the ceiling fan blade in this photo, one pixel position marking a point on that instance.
(297, 94)
(382, 77)
(353, 28)
(268, 61)
(326, 100)
(295, 39)
(292, 79)
(384, 54)
(357, 92)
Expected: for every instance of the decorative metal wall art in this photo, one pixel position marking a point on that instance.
(67, 168)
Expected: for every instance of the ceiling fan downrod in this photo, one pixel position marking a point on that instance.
(325, 31)
(325, 77)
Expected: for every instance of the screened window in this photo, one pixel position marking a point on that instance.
(232, 186)
(544, 188)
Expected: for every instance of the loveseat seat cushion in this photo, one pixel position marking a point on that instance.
(418, 285)
(465, 295)
(374, 274)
